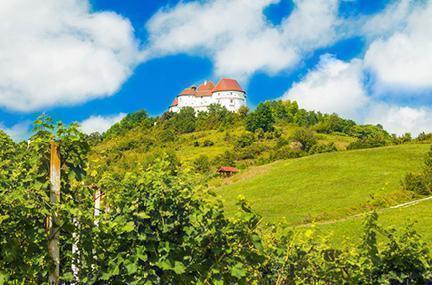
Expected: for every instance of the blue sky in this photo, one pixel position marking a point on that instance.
(94, 62)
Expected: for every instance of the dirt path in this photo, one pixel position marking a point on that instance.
(403, 205)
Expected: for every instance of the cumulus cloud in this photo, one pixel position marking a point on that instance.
(237, 36)
(403, 59)
(401, 119)
(100, 124)
(18, 132)
(397, 62)
(334, 86)
(61, 53)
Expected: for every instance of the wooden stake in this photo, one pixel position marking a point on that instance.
(53, 224)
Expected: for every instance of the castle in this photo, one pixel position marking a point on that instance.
(227, 93)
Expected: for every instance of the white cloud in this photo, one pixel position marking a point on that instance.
(97, 123)
(400, 120)
(237, 36)
(60, 53)
(18, 132)
(403, 59)
(334, 86)
(392, 19)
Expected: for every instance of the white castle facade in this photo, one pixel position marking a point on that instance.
(227, 93)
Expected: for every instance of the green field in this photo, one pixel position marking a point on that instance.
(325, 186)
(350, 229)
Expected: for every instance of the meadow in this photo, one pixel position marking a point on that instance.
(325, 186)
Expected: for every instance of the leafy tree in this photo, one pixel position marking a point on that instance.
(261, 118)
(137, 119)
(306, 137)
(185, 120)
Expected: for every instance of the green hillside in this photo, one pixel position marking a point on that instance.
(351, 227)
(325, 186)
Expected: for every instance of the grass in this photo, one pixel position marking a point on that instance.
(351, 229)
(326, 186)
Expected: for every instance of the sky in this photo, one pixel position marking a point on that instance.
(94, 61)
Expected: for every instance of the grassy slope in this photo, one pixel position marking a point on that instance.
(351, 229)
(325, 186)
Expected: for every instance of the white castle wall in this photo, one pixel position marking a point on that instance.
(232, 100)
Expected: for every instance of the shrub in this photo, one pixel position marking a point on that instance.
(208, 143)
(372, 141)
(245, 139)
(422, 137)
(415, 183)
(306, 137)
(285, 152)
(251, 152)
(202, 164)
(322, 148)
(226, 159)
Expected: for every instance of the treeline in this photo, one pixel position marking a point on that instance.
(158, 226)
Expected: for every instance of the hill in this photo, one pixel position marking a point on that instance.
(399, 217)
(325, 186)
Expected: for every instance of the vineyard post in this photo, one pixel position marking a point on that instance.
(53, 238)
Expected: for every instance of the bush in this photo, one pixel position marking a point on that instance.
(322, 148)
(285, 152)
(416, 183)
(202, 164)
(245, 139)
(422, 137)
(376, 140)
(226, 159)
(420, 183)
(208, 143)
(306, 137)
(251, 152)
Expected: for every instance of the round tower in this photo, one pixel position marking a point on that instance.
(229, 94)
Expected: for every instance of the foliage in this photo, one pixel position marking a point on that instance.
(24, 202)
(202, 164)
(322, 148)
(244, 140)
(306, 137)
(260, 118)
(185, 120)
(216, 117)
(129, 122)
(370, 141)
(156, 226)
(420, 183)
(402, 259)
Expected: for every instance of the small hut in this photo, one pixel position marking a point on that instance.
(227, 170)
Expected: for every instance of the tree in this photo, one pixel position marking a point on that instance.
(261, 118)
(185, 120)
(306, 137)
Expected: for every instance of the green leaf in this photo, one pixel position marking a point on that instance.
(130, 226)
(179, 267)
(238, 271)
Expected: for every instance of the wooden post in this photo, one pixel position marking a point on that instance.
(53, 224)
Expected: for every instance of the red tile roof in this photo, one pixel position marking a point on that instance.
(188, 91)
(227, 169)
(227, 84)
(174, 103)
(205, 89)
